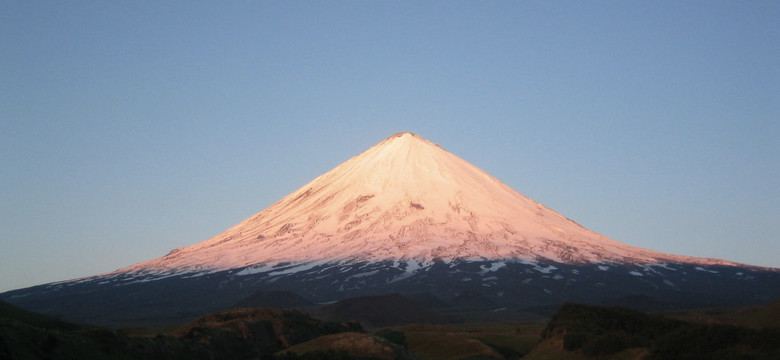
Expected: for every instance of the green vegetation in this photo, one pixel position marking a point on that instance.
(315, 355)
(471, 341)
(380, 311)
(756, 317)
(395, 337)
(578, 332)
(233, 334)
(358, 345)
(13, 314)
(597, 332)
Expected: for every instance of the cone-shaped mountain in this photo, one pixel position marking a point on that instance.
(404, 198)
(406, 217)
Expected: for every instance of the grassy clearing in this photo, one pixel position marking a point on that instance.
(463, 341)
(553, 350)
(756, 317)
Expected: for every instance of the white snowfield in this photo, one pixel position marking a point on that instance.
(403, 199)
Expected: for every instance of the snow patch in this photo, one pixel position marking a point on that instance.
(699, 268)
(545, 270)
(665, 266)
(150, 278)
(493, 267)
(413, 265)
(296, 268)
(198, 274)
(365, 274)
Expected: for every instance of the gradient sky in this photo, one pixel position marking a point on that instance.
(131, 128)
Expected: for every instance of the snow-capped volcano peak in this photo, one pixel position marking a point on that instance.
(404, 198)
(408, 217)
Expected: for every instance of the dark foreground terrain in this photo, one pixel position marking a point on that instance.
(574, 332)
(460, 288)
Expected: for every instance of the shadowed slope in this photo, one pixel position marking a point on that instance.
(381, 310)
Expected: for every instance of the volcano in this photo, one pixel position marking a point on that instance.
(404, 216)
(405, 198)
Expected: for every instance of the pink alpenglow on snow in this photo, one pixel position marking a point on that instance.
(405, 198)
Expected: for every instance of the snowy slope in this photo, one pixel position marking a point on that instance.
(404, 198)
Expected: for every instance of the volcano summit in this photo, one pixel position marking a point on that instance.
(403, 216)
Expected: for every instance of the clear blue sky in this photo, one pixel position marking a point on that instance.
(131, 128)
